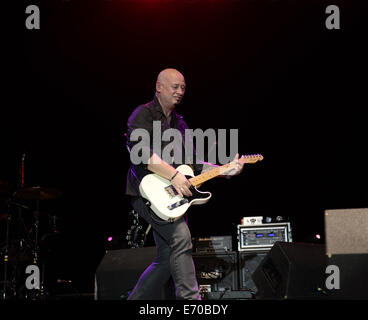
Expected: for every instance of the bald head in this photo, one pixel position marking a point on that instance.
(170, 87)
(169, 75)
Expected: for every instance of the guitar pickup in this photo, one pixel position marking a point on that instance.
(177, 204)
(171, 191)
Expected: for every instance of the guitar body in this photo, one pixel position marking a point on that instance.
(163, 198)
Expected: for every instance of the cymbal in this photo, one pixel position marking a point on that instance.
(38, 193)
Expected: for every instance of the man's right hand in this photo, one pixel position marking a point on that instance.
(160, 167)
(182, 185)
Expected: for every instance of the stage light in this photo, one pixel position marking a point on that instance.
(318, 236)
(109, 239)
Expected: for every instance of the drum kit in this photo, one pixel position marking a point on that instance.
(22, 233)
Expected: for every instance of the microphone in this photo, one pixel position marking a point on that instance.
(22, 170)
(20, 175)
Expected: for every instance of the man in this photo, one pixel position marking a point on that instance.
(173, 240)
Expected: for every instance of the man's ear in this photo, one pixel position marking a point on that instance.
(158, 86)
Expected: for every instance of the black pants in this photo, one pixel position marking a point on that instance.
(174, 257)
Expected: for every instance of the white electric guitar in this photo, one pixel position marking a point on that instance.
(163, 198)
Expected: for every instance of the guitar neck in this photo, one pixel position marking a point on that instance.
(208, 175)
(213, 173)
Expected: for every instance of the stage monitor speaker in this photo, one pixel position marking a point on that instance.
(120, 270)
(248, 263)
(217, 270)
(228, 295)
(292, 271)
(346, 233)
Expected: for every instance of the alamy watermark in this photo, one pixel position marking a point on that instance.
(333, 280)
(214, 140)
(333, 20)
(33, 18)
(33, 280)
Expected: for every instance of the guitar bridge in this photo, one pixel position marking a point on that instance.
(177, 204)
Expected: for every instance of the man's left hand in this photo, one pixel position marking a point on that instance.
(238, 168)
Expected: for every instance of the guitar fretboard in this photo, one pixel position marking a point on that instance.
(208, 175)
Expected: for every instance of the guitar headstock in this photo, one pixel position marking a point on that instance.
(253, 158)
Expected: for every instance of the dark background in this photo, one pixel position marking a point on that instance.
(295, 90)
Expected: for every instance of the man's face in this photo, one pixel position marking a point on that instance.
(172, 89)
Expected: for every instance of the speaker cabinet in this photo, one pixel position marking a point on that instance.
(120, 270)
(346, 231)
(248, 263)
(291, 271)
(347, 251)
(217, 270)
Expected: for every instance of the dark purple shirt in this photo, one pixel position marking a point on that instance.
(143, 117)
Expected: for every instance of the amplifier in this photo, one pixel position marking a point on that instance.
(216, 271)
(212, 244)
(263, 236)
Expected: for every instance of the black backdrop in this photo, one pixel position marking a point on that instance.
(295, 90)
